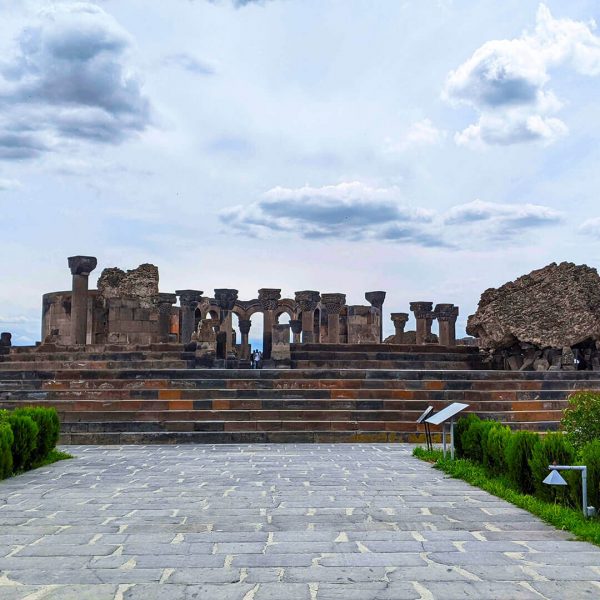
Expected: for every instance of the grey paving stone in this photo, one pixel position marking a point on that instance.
(260, 522)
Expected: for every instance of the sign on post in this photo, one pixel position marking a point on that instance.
(442, 417)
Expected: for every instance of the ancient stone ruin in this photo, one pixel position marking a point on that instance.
(546, 320)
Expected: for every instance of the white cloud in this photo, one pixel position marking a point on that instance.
(420, 133)
(356, 211)
(591, 227)
(494, 220)
(505, 81)
(69, 79)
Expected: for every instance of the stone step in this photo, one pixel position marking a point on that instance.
(383, 356)
(97, 364)
(398, 348)
(391, 375)
(382, 364)
(43, 357)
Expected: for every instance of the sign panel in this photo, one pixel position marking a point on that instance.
(426, 413)
(446, 413)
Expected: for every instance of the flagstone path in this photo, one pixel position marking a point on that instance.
(274, 522)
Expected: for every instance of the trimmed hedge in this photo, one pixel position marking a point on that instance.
(48, 428)
(523, 457)
(27, 436)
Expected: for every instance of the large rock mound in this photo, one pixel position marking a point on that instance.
(554, 307)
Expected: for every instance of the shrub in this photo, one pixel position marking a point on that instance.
(581, 421)
(589, 456)
(519, 450)
(552, 448)
(471, 441)
(460, 428)
(6, 442)
(48, 429)
(494, 449)
(25, 432)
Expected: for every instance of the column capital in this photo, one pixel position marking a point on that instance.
(165, 302)
(307, 300)
(226, 298)
(268, 298)
(333, 303)
(375, 299)
(82, 265)
(189, 298)
(399, 317)
(245, 325)
(422, 310)
(296, 326)
(446, 312)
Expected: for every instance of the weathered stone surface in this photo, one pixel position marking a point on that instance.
(140, 283)
(553, 307)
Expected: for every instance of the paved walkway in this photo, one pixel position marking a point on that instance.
(282, 522)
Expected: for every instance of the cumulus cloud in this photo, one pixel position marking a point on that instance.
(69, 79)
(506, 81)
(501, 220)
(355, 211)
(420, 133)
(350, 210)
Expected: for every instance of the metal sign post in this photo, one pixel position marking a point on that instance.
(442, 417)
(427, 412)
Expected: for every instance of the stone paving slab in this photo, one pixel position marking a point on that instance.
(274, 522)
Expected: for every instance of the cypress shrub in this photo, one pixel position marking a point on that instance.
(48, 429)
(589, 456)
(460, 428)
(25, 432)
(552, 448)
(471, 441)
(494, 449)
(519, 450)
(6, 442)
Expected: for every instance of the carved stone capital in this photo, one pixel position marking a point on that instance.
(82, 265)
(375, 299)
(422, 310)
(446, 312)
(400, 318)
(296, 326)
(226, 298)
(333, 303)
(268, 298)
(165, 302)
(189, 298)
(245, 325)
(307, 300)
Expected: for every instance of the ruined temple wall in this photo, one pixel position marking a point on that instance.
(56, 316)
(363, 324)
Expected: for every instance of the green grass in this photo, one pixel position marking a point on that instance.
(53, 456)
(561, 517)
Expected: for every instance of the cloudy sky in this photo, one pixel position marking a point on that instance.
(430, 148)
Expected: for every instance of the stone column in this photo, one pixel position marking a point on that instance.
(333, 304)
(245, 325)
(281, 343)
(226, 299)
(268, 298)
(307, 301)
(399, 320)
(188, 299)
(376, 299)
(424, 318)
(81, 267)
(296, 327)
(446, 314)
(165, 304)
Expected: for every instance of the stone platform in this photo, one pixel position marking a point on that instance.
(277, 522)
(145, 400)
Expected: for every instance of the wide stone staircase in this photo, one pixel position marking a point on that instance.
(384, 356)
(157, 396)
